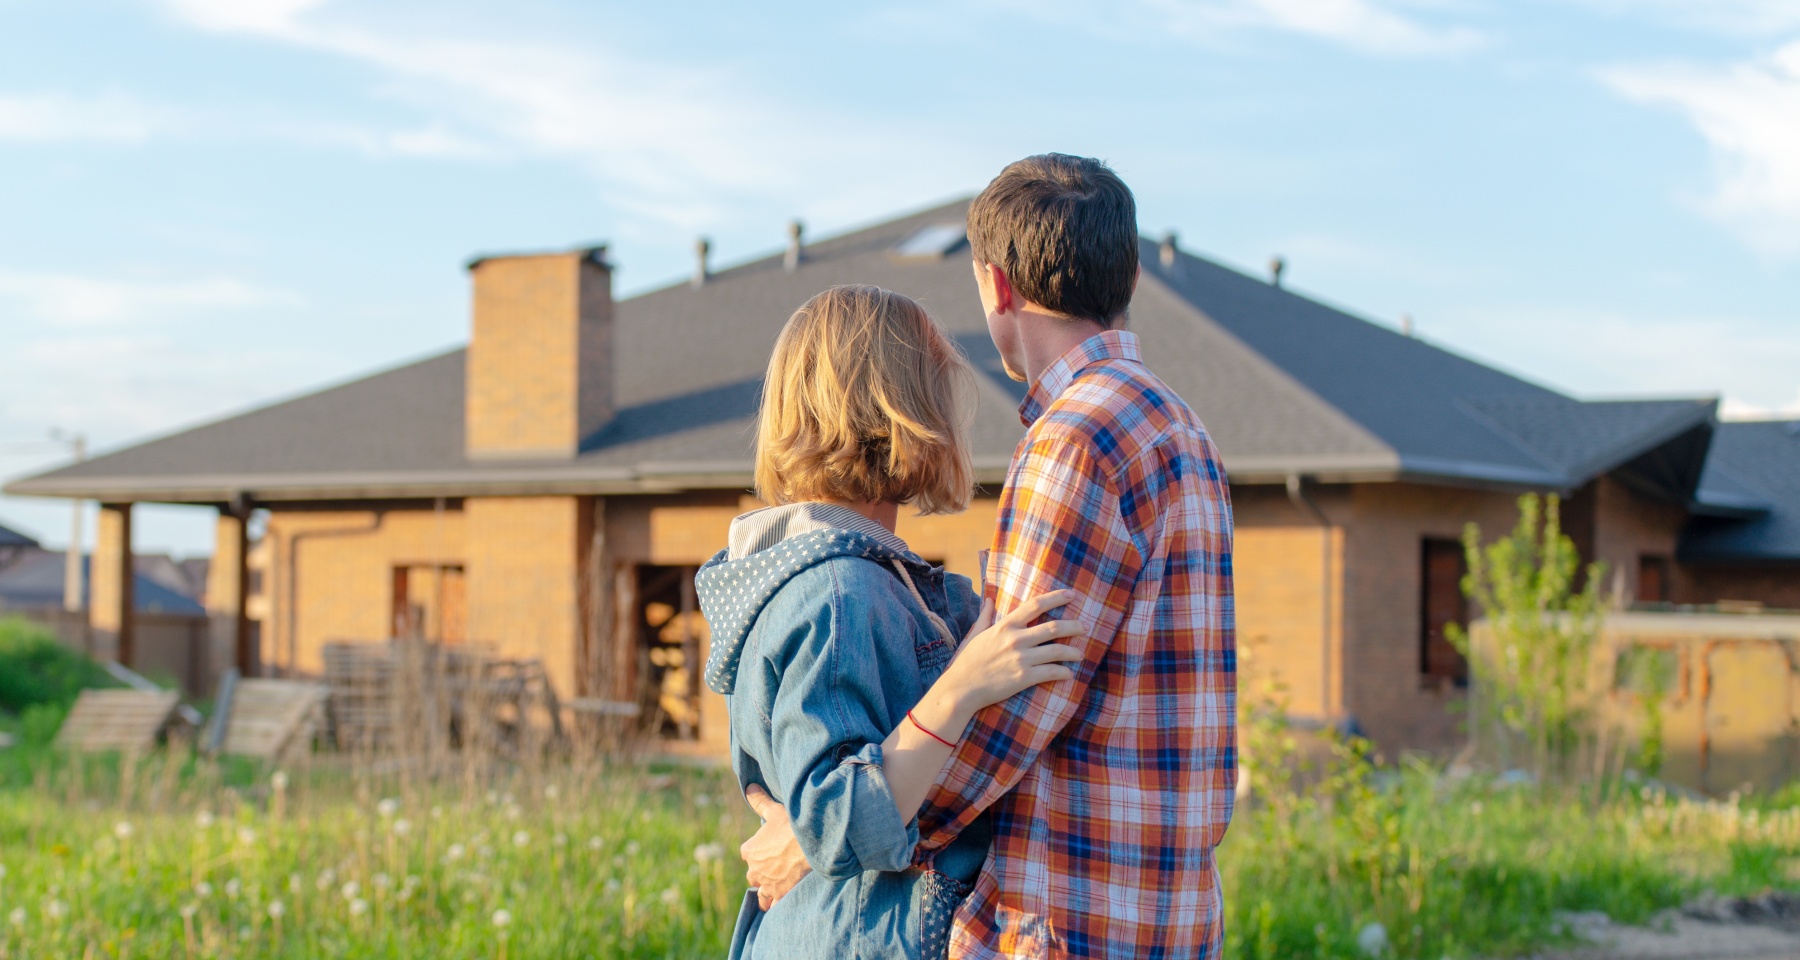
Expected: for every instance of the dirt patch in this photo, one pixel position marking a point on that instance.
(1765, 927)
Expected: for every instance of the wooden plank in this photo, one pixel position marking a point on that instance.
(270, 717)
(126, 720)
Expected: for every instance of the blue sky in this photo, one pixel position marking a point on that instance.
(212, 203)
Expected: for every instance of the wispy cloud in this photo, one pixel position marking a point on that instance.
(669, 133)
(1387, 28)
(58, 117)
(67, 299)
(1750, 115)
(1731, 16)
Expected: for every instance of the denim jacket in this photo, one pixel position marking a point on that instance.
(820, 647)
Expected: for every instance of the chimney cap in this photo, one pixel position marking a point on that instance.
(1171, 245)
(702, 270)
(594, 253)
(1277, 265)
(796, 247)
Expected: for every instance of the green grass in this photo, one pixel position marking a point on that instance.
(636, 862)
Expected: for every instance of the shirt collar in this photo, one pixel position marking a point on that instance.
(1108, 345)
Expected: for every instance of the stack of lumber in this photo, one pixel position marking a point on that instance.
(271, 719)
(126, 720)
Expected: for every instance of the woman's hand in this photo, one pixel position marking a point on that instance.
(999, 659)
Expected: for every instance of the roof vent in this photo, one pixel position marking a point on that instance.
(795, 248)
(1406, 325)
(702, 248)
(934, 242)
(1168, 250)
(1276, 266)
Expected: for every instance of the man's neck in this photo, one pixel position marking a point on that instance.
(1045, 337)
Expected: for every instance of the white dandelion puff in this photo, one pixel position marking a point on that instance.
(279, 780)
(122, 829)
(671, 897)
(203, 890)
(388, 807)
(521, 838)
(358, 907)
(502, 918)
(246, 836)
(350, 889)
(455, 852)
(402, 827)
(233, 887)
(276, 909)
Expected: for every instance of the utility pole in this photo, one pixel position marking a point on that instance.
(72, 600)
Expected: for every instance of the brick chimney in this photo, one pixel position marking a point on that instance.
(539, 374)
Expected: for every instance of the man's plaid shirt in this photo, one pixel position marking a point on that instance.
(1110, 791)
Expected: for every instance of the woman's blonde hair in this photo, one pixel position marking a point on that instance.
(866, 399)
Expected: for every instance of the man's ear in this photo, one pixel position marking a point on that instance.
(1006, 299)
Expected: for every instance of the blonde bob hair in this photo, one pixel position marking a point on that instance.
(866, 399)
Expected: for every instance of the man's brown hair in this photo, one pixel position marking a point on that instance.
(1065, 231)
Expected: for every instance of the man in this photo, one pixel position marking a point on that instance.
(1109, 792)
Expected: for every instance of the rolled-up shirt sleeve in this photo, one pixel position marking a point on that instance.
(827, 725)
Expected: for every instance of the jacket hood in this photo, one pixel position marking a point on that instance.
(733, 593)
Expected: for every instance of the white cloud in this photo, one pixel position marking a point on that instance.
(1732, 16)
(72, 299)
(1378, 27)
(52, 117)
(1750, 115)
(662, 134)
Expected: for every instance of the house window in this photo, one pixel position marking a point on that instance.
(430, 603)
(1441, 603)
(1653, 579)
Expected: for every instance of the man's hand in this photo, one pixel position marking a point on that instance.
(775, 862)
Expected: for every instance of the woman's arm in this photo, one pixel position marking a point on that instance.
(995, 662)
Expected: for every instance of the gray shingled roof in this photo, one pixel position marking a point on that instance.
(35, 581)
(1284, 383)
(13, 538)
(1751, 465)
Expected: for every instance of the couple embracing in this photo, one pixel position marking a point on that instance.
(1042, 769)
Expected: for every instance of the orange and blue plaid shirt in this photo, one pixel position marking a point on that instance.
(1109, 791)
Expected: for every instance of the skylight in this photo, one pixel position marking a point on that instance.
(934, 241)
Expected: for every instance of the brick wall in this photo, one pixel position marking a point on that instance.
(330, 574)
(1289, 577)
(524, 572)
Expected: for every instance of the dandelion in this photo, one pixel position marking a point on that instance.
(550, 791)
(521, 838)
(387, 807)
(671, 897)
(358, 907)
(612, 885)
(279, 780)
(277, 909)
(595, 843)
(122, 830)
(188, 910)
(708, 852)
(203, 890)
(437, 813)
(56, 909)
(245, 933)
(233, 887)
(502, 918)
(402, 827)
(203, 819)
(18, 916)
(455, 852)
(246, 836)
(327, 879)
(514, 811)
(383, 881)
(350, 889)
(632, 848)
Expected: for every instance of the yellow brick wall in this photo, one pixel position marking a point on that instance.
(524, 573)
(109, 588)
(1288, 647)
(330, 574)
(538, 376)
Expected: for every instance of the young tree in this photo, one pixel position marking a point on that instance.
(1532, 669)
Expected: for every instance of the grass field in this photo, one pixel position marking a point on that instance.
(167, 860)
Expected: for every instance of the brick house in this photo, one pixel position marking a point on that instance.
(550, 489)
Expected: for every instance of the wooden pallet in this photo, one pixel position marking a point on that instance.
(269, 718)
(125, 720)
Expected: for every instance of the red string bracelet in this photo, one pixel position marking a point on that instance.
(916, 723)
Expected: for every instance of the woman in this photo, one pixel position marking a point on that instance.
(838, 648)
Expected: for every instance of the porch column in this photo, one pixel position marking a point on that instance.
(227, 592)
(110, 576)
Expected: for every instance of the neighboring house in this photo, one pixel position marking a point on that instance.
(551, 488)
(12, 545)
(171, 625)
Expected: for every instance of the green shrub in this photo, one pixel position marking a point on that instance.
(35, 669)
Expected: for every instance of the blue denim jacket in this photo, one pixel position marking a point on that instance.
(820, 649)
